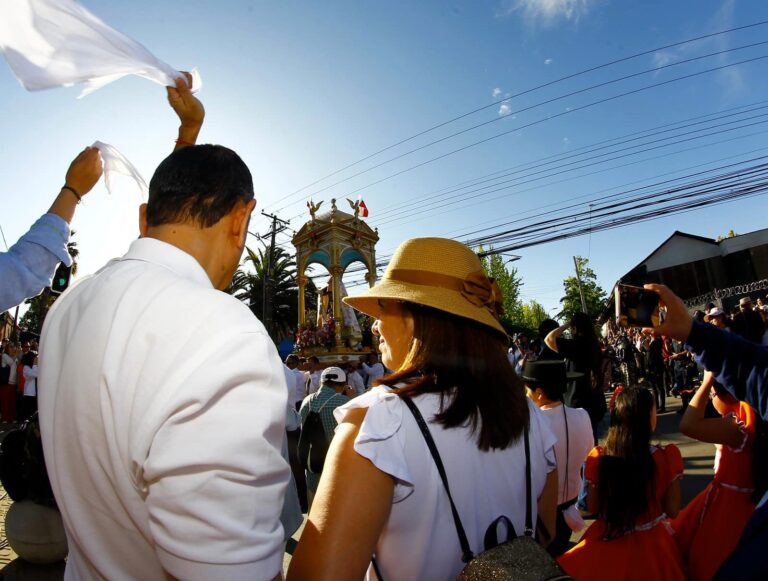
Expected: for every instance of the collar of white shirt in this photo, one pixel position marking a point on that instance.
(169, 256)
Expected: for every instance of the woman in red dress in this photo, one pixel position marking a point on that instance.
(633, 488)
(709, 528)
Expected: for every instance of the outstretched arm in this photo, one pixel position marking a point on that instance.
(741, 366)
(189, 109)
(27, 267)
(83, 173)
(695, 425)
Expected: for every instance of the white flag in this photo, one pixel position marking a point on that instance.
(58, 43)
(116, 163)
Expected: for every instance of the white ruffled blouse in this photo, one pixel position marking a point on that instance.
(419, 540)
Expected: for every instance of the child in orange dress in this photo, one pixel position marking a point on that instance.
(709, 528)
(633, 488)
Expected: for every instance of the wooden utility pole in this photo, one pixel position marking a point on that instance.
(266, 287)
(581, 288)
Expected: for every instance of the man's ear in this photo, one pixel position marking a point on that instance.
(143, 220)
(240, 220)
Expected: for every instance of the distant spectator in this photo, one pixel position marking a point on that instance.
(748, 323)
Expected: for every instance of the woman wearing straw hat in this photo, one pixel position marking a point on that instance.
(437, 319)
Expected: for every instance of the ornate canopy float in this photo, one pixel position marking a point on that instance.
(335, 240)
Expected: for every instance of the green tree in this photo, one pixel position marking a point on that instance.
(248, 286)
(594, 296)
(32, 321)
(509, 282)
(532, 315)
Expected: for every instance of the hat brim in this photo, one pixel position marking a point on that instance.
(569, 375)
(443, 299)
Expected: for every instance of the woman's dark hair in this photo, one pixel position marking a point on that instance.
(466, 363)
(28, 359)
(198, 183)
(547, 326)
(555, 393)
(626, 467)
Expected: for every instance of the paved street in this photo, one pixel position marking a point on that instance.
(698, 459)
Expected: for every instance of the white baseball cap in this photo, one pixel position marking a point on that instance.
(334, 374)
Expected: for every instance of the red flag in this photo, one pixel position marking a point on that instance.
(363, 209)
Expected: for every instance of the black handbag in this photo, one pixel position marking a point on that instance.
(519, 557)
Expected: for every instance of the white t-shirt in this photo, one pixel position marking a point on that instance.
(355, 380)
(30, 381)
(162, 411)
(290, 382)
(314, 382)
(419, 540)
(300, 386)
(373, 372)
(581, 441)
(8, 361)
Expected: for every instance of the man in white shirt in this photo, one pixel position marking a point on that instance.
(299, 380)
(315, 370)
(373, 369)
(163, 399)
(354, 379)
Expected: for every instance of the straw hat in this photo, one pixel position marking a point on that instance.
(438, 273)
(745, 301)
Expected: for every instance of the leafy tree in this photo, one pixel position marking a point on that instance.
(532, 315)
(509, 282)
(594, 296)
(248, 286)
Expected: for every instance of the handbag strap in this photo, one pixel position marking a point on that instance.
(467, 554)
(528, 512)
(567, 455)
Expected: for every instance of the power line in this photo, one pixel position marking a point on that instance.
(530, 107)
(524, 92)
(683, 123)
(585, 163)
(555, 116)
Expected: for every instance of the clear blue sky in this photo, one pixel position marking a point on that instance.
(301, 89)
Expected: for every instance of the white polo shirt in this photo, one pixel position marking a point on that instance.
(162, 410)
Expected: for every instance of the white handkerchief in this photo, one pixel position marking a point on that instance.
(57, 43)
(116, 163)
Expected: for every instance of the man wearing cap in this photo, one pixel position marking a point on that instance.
(747, 322)
(546, 383)
(333, 392)
(716, 316)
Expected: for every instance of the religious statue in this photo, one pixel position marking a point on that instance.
(355, 206)
(313, 208)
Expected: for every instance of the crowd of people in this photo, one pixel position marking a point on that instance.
(178, 445)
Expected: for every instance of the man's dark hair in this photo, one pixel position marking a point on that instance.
(198, 183)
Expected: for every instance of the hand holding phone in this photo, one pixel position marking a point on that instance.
(636, 306)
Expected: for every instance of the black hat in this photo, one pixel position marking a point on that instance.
(551, 373)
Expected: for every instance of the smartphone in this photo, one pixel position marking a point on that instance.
(636, 306)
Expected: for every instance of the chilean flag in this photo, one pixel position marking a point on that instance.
(363, 209)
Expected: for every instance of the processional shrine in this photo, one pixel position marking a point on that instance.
(334, 239)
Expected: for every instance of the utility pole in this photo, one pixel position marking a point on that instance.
(266, 290)
(581, 288)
